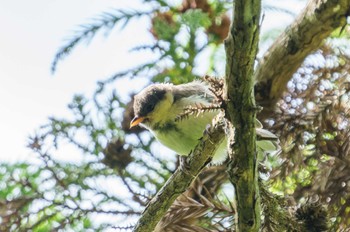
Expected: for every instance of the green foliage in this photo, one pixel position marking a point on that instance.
(195, 19)
(66, 193)
(86, 32)
(166, 30)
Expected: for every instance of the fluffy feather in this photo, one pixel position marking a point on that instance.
(158, 106)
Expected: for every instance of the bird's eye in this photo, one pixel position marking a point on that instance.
(150, 107)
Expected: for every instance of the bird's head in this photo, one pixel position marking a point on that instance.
(153, 105)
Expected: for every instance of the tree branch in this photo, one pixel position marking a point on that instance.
(241, 48)
(318, 20)
(181, 179)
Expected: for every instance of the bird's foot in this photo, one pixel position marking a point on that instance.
(184, 165)
(207, 131)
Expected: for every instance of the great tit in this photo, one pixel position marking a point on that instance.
(158, 106)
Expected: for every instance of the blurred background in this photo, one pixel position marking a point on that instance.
(68, 70)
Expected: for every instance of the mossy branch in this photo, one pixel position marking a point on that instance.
(241, 48)
(181, 179)
(306, 34)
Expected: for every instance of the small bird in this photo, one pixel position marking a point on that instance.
(158, 106)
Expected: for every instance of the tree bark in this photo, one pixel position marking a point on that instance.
(241, 49)
(181, 179)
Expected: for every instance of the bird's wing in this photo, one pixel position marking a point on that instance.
(265, 134)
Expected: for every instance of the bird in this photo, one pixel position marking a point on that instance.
(158, 107)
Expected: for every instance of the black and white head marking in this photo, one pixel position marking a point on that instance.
(145, 101)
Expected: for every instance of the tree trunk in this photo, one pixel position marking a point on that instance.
(241, 48)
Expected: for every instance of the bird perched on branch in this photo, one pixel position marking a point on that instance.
(167, 111)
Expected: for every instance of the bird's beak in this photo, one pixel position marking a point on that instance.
(136, 121)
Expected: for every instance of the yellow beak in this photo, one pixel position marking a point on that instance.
(136, 121)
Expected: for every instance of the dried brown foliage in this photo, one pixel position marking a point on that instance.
(312, 121)
(199, 208)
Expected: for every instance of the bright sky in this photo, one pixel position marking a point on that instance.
(32, 32)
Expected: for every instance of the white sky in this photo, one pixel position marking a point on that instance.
(31, 33)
